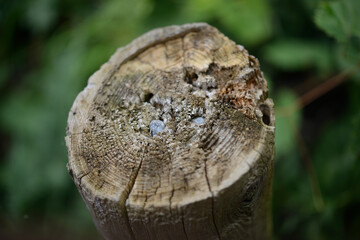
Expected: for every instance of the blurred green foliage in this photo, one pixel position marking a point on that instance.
(49, 48)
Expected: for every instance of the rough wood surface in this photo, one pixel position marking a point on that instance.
(207, 172)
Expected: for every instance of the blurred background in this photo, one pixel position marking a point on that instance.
(309, 51)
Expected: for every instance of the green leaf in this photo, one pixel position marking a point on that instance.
(339, 19)
(294, 55)
(330, 18)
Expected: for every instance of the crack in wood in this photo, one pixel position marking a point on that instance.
(212, 201)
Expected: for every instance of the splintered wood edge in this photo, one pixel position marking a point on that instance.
(79, 112)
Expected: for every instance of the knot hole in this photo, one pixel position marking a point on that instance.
(266, 112)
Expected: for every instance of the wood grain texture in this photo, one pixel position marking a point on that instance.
(192, 180)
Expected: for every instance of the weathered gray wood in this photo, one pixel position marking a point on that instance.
(207, 173)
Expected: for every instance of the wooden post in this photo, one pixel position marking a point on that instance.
(173, 138)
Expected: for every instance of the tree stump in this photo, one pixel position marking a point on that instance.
(173, 138)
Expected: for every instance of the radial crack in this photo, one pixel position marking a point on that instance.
(212, 201)
(183, 224)
(130, 186)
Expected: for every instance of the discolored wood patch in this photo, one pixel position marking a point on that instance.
(165, 129)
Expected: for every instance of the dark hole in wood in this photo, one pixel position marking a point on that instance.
(190, 77)
(266, 114)
(212, 68)
(148, 97)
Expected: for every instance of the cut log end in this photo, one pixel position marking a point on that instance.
(173, 139)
